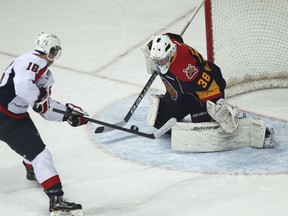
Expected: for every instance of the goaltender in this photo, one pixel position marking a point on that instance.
(196, 87)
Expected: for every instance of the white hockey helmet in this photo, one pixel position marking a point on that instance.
(162, 51)
(49, 44)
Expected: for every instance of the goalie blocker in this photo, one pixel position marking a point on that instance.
(210, 136)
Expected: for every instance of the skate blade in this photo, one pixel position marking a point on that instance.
(67, 213)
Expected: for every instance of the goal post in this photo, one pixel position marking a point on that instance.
(248, 40)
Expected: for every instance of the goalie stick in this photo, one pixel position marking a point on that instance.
(167, 126)
(102, 129)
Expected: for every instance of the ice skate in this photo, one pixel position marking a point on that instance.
(269, 141)
(60, 206)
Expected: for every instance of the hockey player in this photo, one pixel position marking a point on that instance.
(194, 86)
(27, 81)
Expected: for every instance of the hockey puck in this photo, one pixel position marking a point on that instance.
(134, 128)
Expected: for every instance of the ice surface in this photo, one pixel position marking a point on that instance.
(101, 65)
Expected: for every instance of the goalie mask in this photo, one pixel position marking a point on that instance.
(162, 51)
(49, 44)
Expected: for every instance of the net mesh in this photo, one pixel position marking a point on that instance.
(250, 40)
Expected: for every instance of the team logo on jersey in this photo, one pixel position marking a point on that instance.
(170, 89)
(190, 71)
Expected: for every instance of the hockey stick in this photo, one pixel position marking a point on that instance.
(194, 14)
(133, 130)
(102, 129)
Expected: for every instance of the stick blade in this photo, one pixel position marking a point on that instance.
(166, 127)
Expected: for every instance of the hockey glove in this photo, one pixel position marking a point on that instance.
(41, 105)
(75, 115)
(225, 114)
(146, 48)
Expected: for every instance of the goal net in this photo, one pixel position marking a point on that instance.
(248, 40)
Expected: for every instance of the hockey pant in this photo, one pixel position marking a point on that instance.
(22, 136)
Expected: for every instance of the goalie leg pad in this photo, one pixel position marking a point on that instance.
(153, 109)
(257, 129)
(210, 136)
(225, 114)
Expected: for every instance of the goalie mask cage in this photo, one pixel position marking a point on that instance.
(248, 40)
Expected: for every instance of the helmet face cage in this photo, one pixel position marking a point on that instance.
(162, 51)
(56, 52)
(49, 44)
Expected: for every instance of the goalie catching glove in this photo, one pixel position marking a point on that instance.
(146, 49)
(75, 115)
